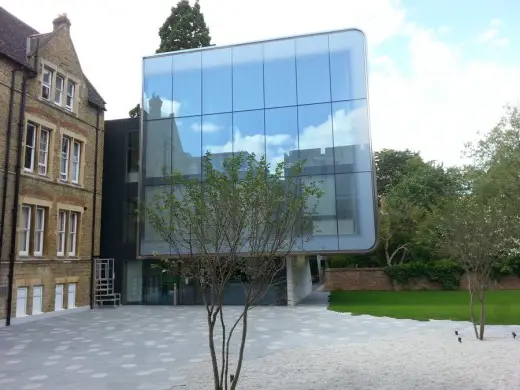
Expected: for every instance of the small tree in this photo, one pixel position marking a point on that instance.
(235, 225)
(476, 234)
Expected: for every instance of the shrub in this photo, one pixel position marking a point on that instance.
(445, 272)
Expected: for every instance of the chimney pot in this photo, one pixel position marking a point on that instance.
(61, 20)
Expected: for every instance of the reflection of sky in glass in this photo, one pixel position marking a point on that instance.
(301, 98)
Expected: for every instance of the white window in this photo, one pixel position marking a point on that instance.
(39, 231)
(37, 307)
(62, 220)
(46, 83)
(76, 154)
(58, 95)
(64, 166)
(71, 298)
(21, 301)
(73, 233)
(30, 140)
(58, 297)
(25, 230)
(43, 152)
(70, 95)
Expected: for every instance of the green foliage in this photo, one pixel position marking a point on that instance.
(391, 166)
(355, 261)
(185, 28)
(446, 272)
(135, 112)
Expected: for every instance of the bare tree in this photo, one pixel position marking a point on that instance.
(476, 234)
(236, 224)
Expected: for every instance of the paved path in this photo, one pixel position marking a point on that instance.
(152, 347)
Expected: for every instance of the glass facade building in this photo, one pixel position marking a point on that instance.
(300, 98)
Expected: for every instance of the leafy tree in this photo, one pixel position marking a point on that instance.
(391, 166)
(185, 28)
(237, 224)
(135, 112)
(476, 234)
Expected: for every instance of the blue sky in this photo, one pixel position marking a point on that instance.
(439, 71)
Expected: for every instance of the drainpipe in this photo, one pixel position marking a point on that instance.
(94, 201)
(7, 155)
(14, 221)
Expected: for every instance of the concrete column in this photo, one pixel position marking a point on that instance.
(299, 279)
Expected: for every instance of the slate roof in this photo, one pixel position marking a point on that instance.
(13, 44)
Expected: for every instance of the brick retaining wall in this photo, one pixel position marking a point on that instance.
(375, 279)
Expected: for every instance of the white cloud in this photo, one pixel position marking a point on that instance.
(206, 127)
(432, 99)
(492, 34)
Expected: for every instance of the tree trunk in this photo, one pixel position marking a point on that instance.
(211, 328)
(482, 314)
(471, 306)
(242, 346)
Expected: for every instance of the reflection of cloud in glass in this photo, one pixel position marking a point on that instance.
(350, 128)
(206, 127)
(166, 107)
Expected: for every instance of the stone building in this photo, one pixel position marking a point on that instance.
(51, 165)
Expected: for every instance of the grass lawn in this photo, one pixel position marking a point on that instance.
(502, 307)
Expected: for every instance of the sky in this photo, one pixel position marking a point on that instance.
(440, 71)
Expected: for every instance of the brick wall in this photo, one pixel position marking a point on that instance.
(373, 279)
(58, 53)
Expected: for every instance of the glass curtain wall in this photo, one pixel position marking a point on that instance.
(302, 98)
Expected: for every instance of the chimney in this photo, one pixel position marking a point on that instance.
(61, 20)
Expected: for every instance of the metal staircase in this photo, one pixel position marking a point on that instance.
(104, 277)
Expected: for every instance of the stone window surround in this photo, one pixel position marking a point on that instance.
(30, 283)
(48, 229)
(33, 203)
(40, 123)
(73, 137)
(68, 209)
(56, 70)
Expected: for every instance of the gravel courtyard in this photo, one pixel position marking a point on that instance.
(306, 347)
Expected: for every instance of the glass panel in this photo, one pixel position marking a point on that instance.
(248, 132)
(355, 208)
(187, 84)
(216, 81)
(281, 131)
(351, 136)
(158, 147)
(217, 135)
(280, 73)
(312, 69)
(315, 138)
(324, 227)
(149, 195)
(248, 77)
(187, 143)
(158, 94)
(347, 65)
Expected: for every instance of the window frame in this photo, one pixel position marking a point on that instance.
(39, 233)
(64, 176)
(58, 91)
(70, 95)
(31, 148)
(61, 233)
(26, 230)
(18, 298)
(40, 296)
(47, 85)
(73, 233)
(44, 152)
(75, 174)
(59, 286)
(71, 292)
